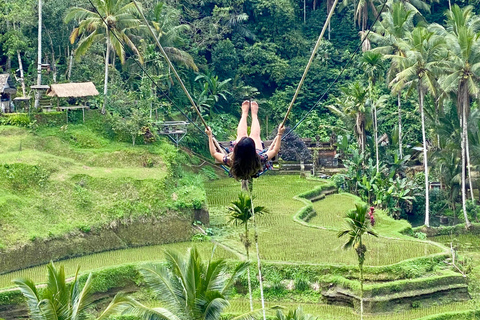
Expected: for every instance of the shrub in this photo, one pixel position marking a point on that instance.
(301, 282)
(50, 119)
(15, 119)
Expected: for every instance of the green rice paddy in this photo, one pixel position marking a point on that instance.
(283, 239)
(112, 258)
(330, 312)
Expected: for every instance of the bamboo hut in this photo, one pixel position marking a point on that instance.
(80, 90)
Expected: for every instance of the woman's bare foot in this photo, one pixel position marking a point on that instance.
(245, 106)
(254, 108)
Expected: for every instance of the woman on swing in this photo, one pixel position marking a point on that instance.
(248, 159)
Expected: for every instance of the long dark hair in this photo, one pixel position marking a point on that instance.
(246, 162)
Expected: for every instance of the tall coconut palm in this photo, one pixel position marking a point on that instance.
(372, 64)
(352, 109)
(394, 25)
(59, 300)
(462, 74)
(240, 214)
(358, 226)
(116, 19)
(189, 288)
(421, 64)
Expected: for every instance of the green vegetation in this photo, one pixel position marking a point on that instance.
(54, 179)
(300, 244)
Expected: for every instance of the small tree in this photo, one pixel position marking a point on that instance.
(358, 225)
(131, 125)
(241, 213)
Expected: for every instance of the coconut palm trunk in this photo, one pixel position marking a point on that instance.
(259, 265)
(421, 95)
(360, 266)
(376, 136)
(463, 91)
(105, 85)
(467, 149)
(247, 245)
(399, 103)
(20, 67)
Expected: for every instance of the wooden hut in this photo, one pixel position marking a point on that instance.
(7, 90)
(80, 90)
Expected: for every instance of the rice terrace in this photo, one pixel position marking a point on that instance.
(239, 160)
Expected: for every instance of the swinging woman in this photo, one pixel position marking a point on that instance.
(248, 159)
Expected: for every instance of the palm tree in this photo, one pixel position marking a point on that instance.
(462, 74)
(353, 110)
(189, 288)
(59, 300)
(421, 63)
(372, 64)
(296, 314)
(358, 225)
(119, 19)
(241, 213)
(394, 25)
(169, 34)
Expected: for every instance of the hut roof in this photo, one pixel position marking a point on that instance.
(72, 90)
(6, 84)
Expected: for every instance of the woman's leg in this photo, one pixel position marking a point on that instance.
(255, 128)
(242, 124)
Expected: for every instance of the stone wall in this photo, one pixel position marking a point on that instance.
(119, 235)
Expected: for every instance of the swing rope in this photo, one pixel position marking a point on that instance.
(159, 45)
(339, 75)
(317, 45)
(170, 64)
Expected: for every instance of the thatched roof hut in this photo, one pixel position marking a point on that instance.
(72, 90)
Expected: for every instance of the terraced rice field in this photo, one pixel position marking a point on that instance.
(329, 312)
(111, 258)
(282, 239)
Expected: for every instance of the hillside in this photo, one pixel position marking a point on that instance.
(59, 180)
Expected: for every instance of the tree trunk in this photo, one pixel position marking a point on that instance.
(361, 290)
(105, 85)
(54, 63)
(425, 159)
(39, 54)
(259, 265)
(467, 150)
(8, 64)
(20, 67)
(464, 93)
(376, 136)
(70, 65)
(399, 126)
(247, 244)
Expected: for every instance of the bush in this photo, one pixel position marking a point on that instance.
(50, 119)
(301, 282)
(15, 119)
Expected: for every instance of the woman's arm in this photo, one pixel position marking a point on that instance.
(276, 144)
(211, 146)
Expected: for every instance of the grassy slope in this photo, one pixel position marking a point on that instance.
(282, 239)
(91, 181)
